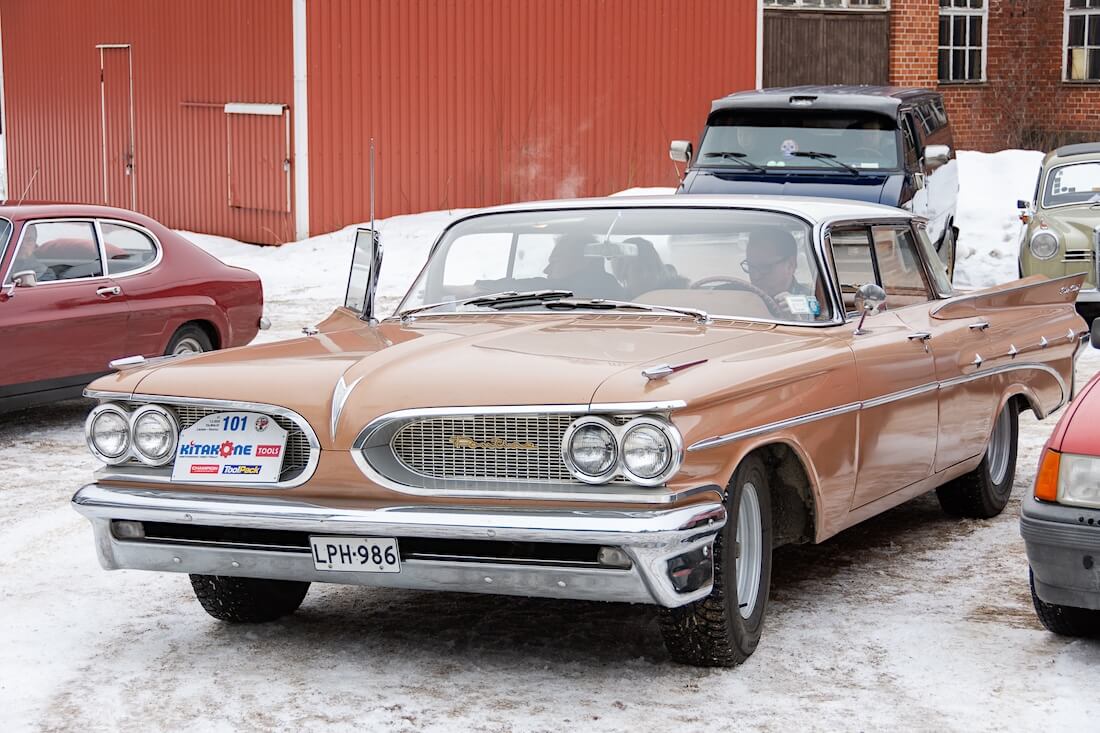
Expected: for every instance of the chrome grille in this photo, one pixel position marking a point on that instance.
(1077, 255)
(489, 447)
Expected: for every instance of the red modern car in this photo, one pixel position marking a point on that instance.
(84, 285)
(1060, 522)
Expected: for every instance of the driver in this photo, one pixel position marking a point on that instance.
(771, 259)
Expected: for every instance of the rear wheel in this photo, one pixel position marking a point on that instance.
(248, 600)
(189, 339)
(984, 492)
(723, 629)
(1064, 620)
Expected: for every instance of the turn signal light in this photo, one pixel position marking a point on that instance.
(1046, 483)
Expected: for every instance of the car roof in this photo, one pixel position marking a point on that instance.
(812, 209)
(881, 99)
(52, 209)
(1068, 151)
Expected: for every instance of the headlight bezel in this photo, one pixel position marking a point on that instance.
(1068, 462)
(173, 425)
(1044, 233)
(89, 423)
(619, 433)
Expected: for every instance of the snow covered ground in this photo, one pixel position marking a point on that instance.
(910, 621)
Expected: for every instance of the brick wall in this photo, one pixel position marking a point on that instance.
(1023, 102)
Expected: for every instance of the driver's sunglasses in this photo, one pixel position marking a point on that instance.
(759, 268)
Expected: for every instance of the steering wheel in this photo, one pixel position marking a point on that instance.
(735, 283)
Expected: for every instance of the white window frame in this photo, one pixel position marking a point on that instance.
(843, 5)
(951, 12)
(1070, 12)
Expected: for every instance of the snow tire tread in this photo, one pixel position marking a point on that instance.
(248, 600)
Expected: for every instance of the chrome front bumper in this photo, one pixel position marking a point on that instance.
(663, 544)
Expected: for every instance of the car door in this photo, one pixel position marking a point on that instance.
(67, 327)
(895, 370)
(132, 255)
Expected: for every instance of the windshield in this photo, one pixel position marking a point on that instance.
(727, 262)
(771, 139)
(5, 235)
(1076, 183)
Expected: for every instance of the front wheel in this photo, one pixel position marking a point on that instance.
(983, 493)
(1064, 620)
(723, 629)
(248, 600)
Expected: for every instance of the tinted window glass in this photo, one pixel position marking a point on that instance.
(773, 139)
(58, 251)
(127, 248)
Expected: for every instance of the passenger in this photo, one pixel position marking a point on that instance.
(569, 268)
(645, 271)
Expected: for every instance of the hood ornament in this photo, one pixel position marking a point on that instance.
(663, 370)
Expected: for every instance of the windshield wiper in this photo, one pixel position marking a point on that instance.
(491, 300)
(736, 157)
(700, 316)
(827, 157)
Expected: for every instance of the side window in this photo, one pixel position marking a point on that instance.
(899, 267)
(127, 249)
(912, 142)
(853, 262)
(941, 280)
(58, 250)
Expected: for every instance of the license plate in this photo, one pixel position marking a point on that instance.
(356, 554)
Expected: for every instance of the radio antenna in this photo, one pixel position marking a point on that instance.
(28, 188)
(372, 186)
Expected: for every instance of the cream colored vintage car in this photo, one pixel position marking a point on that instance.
(612, 399)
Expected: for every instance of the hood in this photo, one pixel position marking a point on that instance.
(865, 187)
(1073, 224)
(507, 359)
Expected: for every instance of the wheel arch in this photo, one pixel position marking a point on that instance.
(793, 488)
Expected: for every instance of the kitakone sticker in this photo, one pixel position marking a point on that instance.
(231, 447)
(225, 449)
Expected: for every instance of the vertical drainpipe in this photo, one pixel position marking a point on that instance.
(301, 123)
(3, 125)
(759, 44)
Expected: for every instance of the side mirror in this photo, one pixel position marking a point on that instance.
(869, 300)
(1021, 204)
(680, 151)
(24, 279)
(366, 263)
(937, 155)
(1095, 336)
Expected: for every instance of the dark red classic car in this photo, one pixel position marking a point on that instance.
(85, 285)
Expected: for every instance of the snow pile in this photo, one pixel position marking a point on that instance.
(987, 218)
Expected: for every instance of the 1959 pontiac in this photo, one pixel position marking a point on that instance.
(612, 399)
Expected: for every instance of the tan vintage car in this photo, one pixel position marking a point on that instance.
(623, 399)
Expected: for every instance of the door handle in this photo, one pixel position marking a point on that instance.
(919, 336)
(108, 291)
(979, 326)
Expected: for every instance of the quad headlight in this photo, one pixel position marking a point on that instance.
(645, 451)
(153, 433)
(1044, 245)
(107, 431)
(115, 435)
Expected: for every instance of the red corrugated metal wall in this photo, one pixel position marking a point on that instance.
(188, 60)
(475, 102)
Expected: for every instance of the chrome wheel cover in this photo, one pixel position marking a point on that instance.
(750, 542)
(187, 345)
(999, 448)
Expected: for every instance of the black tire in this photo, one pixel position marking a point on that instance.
(712, 632)
(190, 336)
(976, 495)
(248, 600)
(1064, 620)
(1088, 311)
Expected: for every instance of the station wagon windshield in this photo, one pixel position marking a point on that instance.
(725, 262)
(1076, 183)
(779, 139)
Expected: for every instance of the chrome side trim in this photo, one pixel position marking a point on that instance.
(120, 473)
(878, 402)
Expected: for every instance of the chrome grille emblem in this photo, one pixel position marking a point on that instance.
(494, 443)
